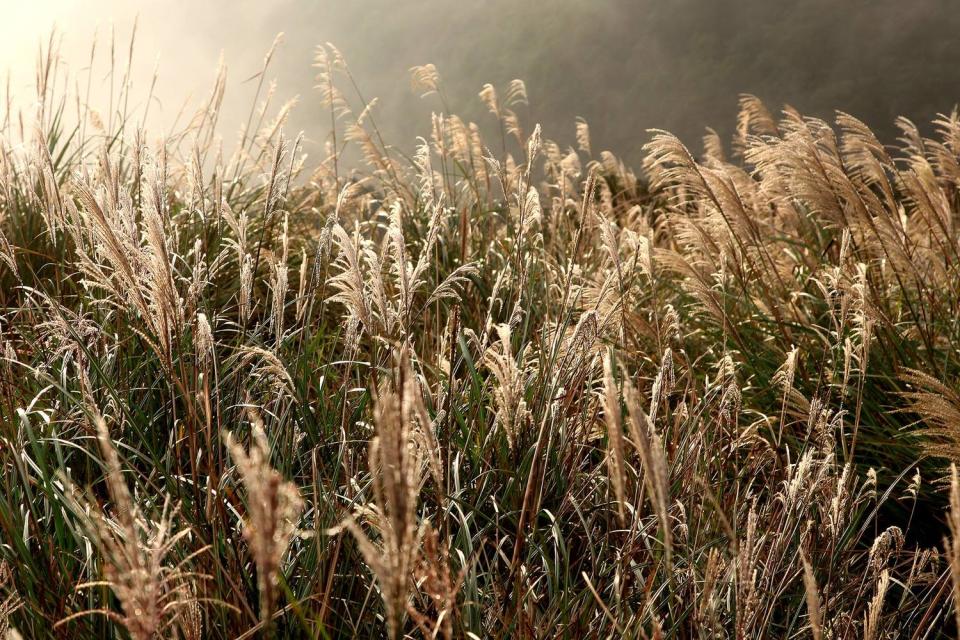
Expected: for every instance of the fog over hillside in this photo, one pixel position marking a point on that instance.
(623, 65)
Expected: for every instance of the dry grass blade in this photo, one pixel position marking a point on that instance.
(952, 542)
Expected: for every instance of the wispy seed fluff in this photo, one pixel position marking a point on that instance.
(508, 393)
(273, 509)
(246, 288)
(203, 339)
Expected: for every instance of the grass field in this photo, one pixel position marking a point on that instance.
(500, 387)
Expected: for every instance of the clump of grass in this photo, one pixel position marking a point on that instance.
(495, 389)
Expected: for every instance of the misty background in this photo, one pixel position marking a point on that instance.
(623, 65)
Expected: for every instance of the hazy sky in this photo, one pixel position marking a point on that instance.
(624, 65)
